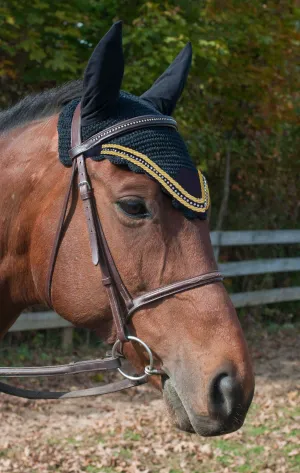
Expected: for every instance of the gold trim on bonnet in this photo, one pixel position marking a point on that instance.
(173, 187)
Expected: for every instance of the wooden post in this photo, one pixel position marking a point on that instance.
(67, 338)
(226, 191)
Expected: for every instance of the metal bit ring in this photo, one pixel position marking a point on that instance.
(148, 369)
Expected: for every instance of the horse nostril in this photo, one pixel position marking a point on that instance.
(225, 395)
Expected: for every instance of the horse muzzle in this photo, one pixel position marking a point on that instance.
(226, 410)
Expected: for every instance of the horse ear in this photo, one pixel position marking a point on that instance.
(103, 77)
(167, 89)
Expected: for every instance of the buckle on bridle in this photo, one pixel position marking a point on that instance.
(148, 370)
(85, 183)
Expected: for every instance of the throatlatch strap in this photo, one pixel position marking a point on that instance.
(57, 239)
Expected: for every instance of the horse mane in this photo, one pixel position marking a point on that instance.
(38, 106)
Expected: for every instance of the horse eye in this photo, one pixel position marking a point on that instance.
(134, 208)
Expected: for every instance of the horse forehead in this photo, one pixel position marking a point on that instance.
(121, 180)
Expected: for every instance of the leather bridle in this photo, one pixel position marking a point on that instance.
(122, 305)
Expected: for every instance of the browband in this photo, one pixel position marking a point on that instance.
(117, 130)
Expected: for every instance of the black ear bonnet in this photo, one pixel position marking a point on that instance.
(157, 151)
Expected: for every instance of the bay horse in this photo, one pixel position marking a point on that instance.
(151, 204)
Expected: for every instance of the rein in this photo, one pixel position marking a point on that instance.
(122, 305)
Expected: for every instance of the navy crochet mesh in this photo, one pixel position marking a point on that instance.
(162, 145)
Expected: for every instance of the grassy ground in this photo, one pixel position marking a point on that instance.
(129, 432)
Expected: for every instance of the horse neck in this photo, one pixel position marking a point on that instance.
(29, 168)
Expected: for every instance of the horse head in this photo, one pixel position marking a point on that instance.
(152, 204)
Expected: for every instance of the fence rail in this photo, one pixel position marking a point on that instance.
(260, 266)
(269, 296)
(49, 320)
(39, 321)
(255, 237)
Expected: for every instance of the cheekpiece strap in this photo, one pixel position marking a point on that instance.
(122, 127)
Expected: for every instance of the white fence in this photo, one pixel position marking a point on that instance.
(48, 320)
